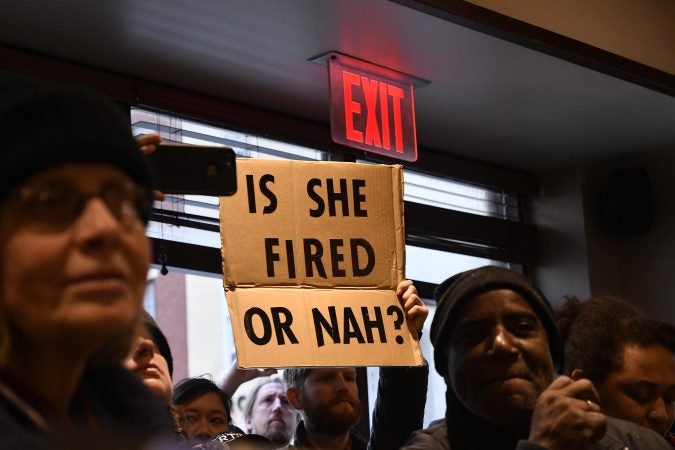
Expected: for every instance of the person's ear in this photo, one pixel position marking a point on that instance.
(293, 396)
(577, 374)
(247, 423)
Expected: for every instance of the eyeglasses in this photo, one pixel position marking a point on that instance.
(59, 203)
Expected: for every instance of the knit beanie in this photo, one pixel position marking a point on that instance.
(46, 125)
(454, 292)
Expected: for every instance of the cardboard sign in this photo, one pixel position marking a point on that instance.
(312, 254)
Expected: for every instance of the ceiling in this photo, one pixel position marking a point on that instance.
(489, 100)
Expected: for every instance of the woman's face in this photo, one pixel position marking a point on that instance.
(643, 389)
(73, 257)
(204, 417)
(147, 363)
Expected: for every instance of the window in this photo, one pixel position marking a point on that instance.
(190, 305)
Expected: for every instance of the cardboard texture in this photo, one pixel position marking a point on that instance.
(312, 253)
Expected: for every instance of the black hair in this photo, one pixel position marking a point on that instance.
(251, 442)
(596, 331)
(191, 388)
(647, 331)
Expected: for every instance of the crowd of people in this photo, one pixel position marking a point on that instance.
(83, 366)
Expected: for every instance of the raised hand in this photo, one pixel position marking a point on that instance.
(415, 310)
(567, 416)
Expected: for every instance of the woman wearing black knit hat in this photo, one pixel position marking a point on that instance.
(75, 195)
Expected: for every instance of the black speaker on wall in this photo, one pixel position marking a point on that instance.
(629, 201)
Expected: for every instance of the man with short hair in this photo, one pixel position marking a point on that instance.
(328, 398)
(268, 412)
(496, 344)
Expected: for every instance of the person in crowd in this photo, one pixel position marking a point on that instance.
(237, 384)
(75, 196)
(629, 357)
(496, 344)
(329, 402)
(151, 361)
(203, 408)
(268, 412)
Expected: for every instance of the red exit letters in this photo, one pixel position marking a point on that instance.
(372, 112)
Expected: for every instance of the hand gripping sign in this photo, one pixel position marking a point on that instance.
(312, 254)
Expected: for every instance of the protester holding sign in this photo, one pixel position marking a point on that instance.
(313, 263)
(329, 403)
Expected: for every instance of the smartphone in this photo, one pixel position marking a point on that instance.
(194, 169)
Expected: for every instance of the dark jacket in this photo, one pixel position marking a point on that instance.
(399, 410)
(300, 441)
(620, 435)
(113, 409)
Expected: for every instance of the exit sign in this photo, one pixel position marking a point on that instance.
(372, 108)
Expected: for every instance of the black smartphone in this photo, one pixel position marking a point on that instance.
(195, 169)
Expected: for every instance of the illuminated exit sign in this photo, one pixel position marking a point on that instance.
(372, 108)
